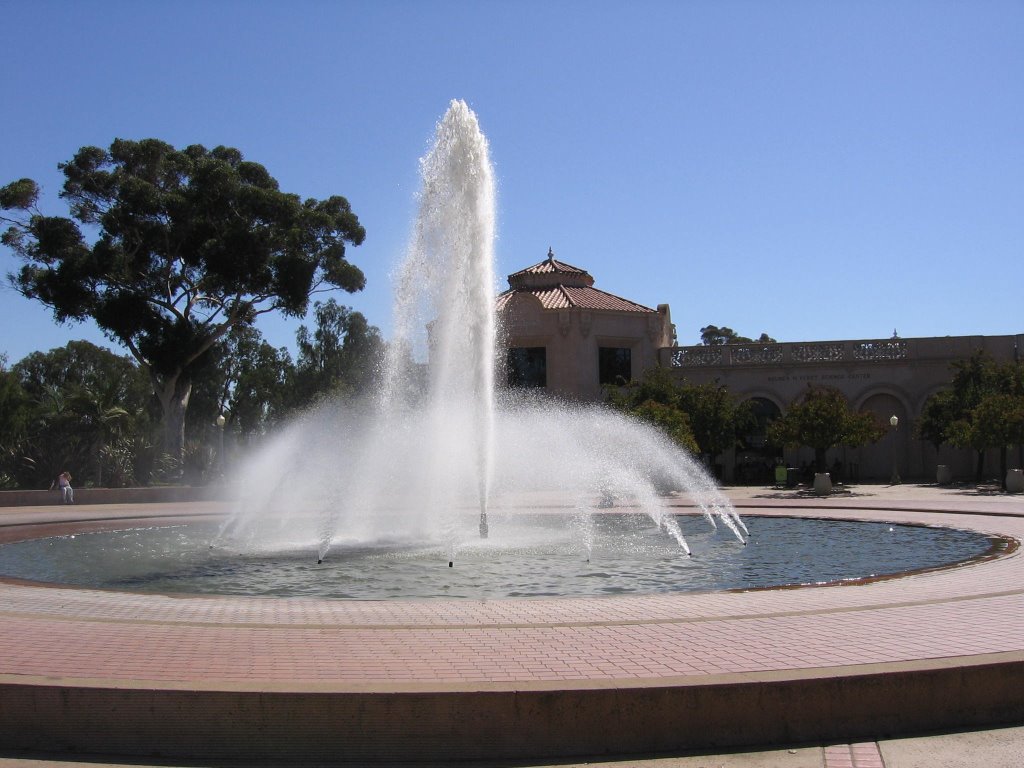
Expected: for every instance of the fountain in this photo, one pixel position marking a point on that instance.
(433, 457)
(203, 678)
(438, 468)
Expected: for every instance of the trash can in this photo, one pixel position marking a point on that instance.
(781, 475)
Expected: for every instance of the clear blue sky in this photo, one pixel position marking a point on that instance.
(815, 170)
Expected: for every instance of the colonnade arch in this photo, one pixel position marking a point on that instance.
(889, 456)
(755, 457)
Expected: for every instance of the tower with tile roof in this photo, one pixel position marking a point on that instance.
(561, 333)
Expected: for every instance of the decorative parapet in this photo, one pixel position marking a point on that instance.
(684, 357)
(766, 353)
(791, 353)
(817, 353)
(880, 350)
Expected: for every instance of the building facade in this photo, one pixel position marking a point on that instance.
(888, 377)
(562, 334)
(572, 340)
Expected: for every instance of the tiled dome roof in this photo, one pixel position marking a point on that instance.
(549, 274)
(558, 285)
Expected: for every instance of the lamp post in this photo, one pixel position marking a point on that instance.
(221, 421)
(894, 421)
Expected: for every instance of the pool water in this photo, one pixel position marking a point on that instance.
(525, 556)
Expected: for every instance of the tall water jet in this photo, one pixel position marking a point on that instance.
(446, 284)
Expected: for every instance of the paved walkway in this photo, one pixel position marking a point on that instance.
(94, 638)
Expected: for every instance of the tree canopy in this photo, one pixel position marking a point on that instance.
(654, 398)
(249, 386)
(168, 250)
(87, 410)
(15, 413)
(81, 408)
(341, 356)
(255, 385)
(982, 408)
(704, 418)
(716, 417)
(712, 336)
(822, 419)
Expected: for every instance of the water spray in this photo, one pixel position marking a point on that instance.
(423, 452)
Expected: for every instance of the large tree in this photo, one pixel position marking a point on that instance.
(15, 415)
(713, 336)
(982, 408)
(716, 417)
(704, 418)
(248, 385)
(254, 385)
(998, 422)
(822, 419)
(88, 405)
(654, 398)
(168, 250)
(340, 357)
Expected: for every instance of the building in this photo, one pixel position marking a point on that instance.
(889, 377)
(562, 334)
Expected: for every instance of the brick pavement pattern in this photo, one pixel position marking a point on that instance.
(861, 755)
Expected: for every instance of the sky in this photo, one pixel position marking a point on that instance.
(813, 170)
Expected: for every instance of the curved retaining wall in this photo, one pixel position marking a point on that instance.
(151, 495)
(511, 724)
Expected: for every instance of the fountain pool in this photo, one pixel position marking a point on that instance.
(535, 554)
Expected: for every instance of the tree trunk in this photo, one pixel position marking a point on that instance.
(979, 472)
(1002, 466)
(174, 396)
(819, 459)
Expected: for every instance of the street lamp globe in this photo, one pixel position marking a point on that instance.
(221, 459)
(895, 479)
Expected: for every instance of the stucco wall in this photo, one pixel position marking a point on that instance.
(572, 338)
(888, 377)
